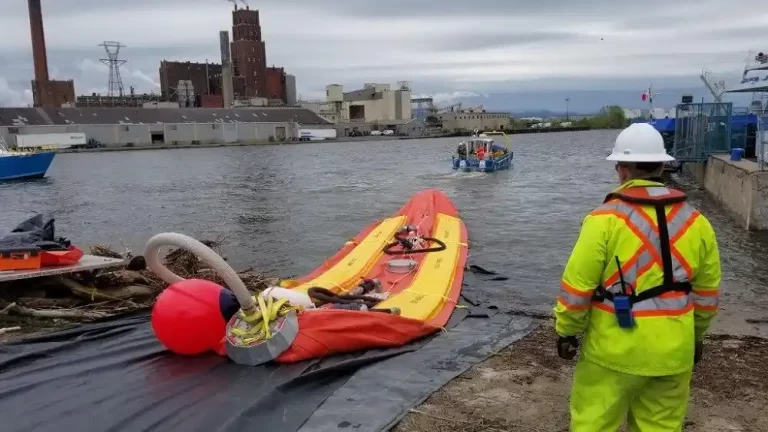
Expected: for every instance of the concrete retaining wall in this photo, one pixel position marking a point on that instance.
(738, 186)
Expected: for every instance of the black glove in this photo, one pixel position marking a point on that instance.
(698, 352)
(567, 347)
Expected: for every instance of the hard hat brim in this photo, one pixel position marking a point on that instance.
(640, 158)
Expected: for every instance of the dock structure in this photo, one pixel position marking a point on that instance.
(715, 141)
(86, 263)
(740, 186)
(712, 154)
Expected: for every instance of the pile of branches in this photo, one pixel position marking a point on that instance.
(99, 294)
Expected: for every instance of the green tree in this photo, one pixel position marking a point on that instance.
(609, 117)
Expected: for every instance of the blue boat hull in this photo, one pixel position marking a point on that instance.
(25, 166)
(492, 165)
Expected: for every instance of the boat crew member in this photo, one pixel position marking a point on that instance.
(462, 150)
(642, 285)
(480, 151)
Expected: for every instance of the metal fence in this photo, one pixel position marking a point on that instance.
(761, 141)
(702, 129)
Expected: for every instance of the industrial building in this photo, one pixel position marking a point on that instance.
(249, 54)
(276, 84)
(241, 76)
(241, 79)
(45, 91)
(290, 90)
(134, 127)
(130, 100)
(205, 78)
(470, 119)
(374, 103)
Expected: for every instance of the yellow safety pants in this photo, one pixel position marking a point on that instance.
(602, 397)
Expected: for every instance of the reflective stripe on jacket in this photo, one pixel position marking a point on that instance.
(662, 341)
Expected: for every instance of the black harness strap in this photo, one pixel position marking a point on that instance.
(664, 244)
(669, 284)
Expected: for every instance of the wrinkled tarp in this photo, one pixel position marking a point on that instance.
(115, 376)
(377, 397)
(37, 229)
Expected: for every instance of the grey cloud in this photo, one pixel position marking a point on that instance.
(594, 9)
(111, 8)
(541, 26)
(483, 39)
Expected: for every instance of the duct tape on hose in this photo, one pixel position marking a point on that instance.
(254, 353)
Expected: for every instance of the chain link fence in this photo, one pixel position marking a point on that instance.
(702, 129)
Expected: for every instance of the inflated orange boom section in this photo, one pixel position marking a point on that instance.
(426, 296)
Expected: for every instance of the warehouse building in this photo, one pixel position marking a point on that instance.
(475, 118)
(129, 127)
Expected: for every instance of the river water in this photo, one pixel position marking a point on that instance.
(284, 209)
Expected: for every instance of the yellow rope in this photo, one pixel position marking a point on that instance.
(268, 311)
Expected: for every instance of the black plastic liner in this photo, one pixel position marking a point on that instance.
(39, 230)
(115, 376)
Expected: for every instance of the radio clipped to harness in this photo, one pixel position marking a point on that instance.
(622, 302)
(623, 306)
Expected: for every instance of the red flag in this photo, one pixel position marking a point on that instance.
(644, 97)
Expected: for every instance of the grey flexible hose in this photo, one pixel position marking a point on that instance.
(206, 254)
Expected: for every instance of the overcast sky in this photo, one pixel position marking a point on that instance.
(445, 48)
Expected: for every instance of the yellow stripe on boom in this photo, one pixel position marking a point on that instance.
(346, 274)
(429, 290)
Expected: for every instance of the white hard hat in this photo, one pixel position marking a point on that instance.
(640, 142)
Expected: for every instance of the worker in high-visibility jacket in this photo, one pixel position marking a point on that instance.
(642, 285)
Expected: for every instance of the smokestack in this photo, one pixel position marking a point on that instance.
(38, 40)
(227, 89)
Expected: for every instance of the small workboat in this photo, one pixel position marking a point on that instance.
(481, 153)
(24, 164)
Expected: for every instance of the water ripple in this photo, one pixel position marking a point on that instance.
(285, 209)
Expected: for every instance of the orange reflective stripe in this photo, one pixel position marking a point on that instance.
(685, 224)
(573, 307)
(680, 217)
(673, 211)
(574, 299)
(706, 300)
(571, 290)
(706, 292)
(641, 224)
(635, 267)
(655, 307)
(646, 241)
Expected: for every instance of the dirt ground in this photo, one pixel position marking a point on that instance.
(525, 388)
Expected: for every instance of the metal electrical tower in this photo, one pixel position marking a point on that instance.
(115, 87)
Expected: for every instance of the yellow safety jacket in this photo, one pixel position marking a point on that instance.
(667, 321)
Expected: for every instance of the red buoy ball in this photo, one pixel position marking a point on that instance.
(190, 316)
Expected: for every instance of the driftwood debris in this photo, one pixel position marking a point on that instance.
(99, 294)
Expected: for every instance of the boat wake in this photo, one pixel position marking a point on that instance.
(452, 175)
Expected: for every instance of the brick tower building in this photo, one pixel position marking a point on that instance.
(249, 54)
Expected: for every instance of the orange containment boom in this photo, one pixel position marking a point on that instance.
(425, 292)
